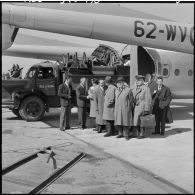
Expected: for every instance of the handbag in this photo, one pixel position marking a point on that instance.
(148, 121)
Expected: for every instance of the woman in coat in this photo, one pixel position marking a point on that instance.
(123, 108)
(142, 98)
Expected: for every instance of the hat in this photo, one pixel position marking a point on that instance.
(160, 77)
(96, 81)
(108, 79)
(139, 77)
(120, 79)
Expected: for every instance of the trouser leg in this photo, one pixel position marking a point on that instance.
(120, 131)
(110, 127)
(62, 117)
(126, 132)
(79, 115)
(157, 114)
(67, 117)
(163, 119)
(84, 117)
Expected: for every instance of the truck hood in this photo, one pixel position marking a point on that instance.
(8, 86)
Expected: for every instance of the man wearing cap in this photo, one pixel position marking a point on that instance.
(123, 108)
(143, 100)
(82, 102)
(64, 92)
(109, 104)
(161, 99)
(91, 96)
(99, 105)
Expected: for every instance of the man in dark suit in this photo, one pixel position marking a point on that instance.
(64, 92)
(82, 97)
(161, 99)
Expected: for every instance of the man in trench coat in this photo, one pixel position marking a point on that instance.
(99, 105)
(123, 108)
(161, 99)
(109, 104)
(142, 97)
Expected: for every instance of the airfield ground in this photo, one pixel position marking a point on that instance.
(157, 164)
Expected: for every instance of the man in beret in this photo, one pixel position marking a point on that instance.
(109, 104)
(123, 109)
(161, 99)
(64, 92)
(143, 99)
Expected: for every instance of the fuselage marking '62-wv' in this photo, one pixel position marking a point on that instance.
(170, 30)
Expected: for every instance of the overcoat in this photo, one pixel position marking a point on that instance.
(81, 96)
(64, 92)
(164, 99)
(109, 103)
(91, 93)
(143, 99)
(123, 107)
(99, 105)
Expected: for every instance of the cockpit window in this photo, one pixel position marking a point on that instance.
(31, 73)
(45, 73)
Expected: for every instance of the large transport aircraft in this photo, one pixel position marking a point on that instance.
(135, 28)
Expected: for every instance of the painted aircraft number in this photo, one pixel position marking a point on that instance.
(171, 31)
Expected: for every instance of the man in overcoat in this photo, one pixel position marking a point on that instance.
(109, 104)
(64, 92)
(161, 99)
(82, 97)
(99, 105)
(124, 103)
(142, 97)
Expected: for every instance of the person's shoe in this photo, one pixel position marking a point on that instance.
(99, 131)
(94, 129)
(162, 134)
(140, 137)
(67, 128)
(127, 138)
(108, 134)
(155, 133)
(61, 129)
(119, 136)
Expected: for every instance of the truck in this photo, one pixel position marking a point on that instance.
(31, 97)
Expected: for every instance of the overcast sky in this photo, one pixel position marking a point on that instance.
(181, 12)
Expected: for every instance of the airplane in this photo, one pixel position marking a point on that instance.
(175, 67)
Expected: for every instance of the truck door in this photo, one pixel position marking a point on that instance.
(46, 81)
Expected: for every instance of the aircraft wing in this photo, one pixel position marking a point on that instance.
(46, 52)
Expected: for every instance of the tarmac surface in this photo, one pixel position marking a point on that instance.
(154, 165)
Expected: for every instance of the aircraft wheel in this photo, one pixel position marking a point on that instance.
(32, 109)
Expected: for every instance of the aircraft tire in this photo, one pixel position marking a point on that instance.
(16, 112)
(32, 109)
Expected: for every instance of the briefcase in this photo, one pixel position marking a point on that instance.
(148, 121)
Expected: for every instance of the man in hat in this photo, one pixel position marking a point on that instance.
(109, 104)
(91, 94)
(99, 105)
(142, 106)
(123, 108)
(82, 97)
(161, 99)
(64, 92)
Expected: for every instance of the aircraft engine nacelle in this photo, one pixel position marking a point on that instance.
(9, 33)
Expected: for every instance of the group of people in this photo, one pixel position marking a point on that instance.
(116, 108)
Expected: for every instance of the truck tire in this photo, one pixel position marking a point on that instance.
(16, 112)
(32, 109)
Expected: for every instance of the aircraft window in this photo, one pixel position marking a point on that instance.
(45, 73)
(177, 72)
(165, 72)
(190, 72)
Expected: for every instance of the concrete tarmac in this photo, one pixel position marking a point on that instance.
(157, 164)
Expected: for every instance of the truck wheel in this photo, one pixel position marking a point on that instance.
(16, 112)
(32, 109)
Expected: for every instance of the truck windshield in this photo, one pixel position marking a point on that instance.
(30, 73)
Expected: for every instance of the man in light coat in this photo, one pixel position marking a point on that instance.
(123, 108)
(99, 105)
(109, 105)
(91, 95)
(143, 99)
